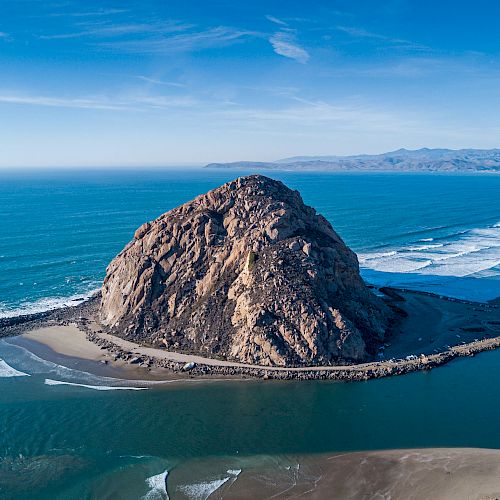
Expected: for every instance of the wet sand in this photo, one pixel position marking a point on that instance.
(420, 474)
(434, 331)
(67, 345)
(67, 340)
(434, 323)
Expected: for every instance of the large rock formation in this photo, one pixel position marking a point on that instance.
(247, 272)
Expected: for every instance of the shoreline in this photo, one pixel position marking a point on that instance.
(435, 331)
(420, 473)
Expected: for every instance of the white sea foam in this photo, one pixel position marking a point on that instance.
(31, 363)
(442, 267)
(425, 247)
(45, 304)
(34, 365)
(158, 485)
(6, 371)
(203, 490)
(376, 255)
(49, 381)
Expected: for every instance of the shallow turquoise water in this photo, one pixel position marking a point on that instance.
(61, 229)
(122, 438)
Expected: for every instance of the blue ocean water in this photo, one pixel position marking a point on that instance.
(61, 229)
(63, 437)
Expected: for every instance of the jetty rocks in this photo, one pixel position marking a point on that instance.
(246, 272)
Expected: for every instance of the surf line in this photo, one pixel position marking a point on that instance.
(6, 371)
(49, 381)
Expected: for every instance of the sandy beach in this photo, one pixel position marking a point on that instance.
(68, 346)
(68, 340)
(416, 474)
(434, 331)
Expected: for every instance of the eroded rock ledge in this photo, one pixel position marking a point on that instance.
(247, 272)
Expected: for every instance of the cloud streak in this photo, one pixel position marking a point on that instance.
(59, 102)
(361, 33)
(119, 30)
(304, 113)
(156, 81)
(96, 13)
(314, 113)
(285, 45)
(183, 42)
(151, 36)
(275, 20)
(124, 103)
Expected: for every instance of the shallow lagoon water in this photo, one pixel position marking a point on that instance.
(118, 438)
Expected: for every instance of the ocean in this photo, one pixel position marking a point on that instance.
(68, 434)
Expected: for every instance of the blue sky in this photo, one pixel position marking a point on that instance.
(187, 82)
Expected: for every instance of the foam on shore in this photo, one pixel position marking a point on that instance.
(34, 365)
(49, 381)
(463, 264)
(6, 371)
(158, 485)
(438, 473)
(203, 490)
(45, 304)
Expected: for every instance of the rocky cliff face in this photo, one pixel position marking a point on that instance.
(247, 272)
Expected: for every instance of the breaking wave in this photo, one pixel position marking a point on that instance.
(6, 371)
(25, 360)
(203, 490)
(158, 485)
(49, 381)
(45, 304)
(473, 253)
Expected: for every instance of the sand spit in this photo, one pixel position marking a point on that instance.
(418, 474)
(435, 331)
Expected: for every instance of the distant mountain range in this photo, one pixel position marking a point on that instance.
(402, 160)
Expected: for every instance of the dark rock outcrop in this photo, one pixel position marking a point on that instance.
(247, 272)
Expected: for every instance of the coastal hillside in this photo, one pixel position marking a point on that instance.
(246, 272)
(403, 160)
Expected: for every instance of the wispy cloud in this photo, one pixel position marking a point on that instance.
(183, 42)
(59, 102)
(284, 44)
(313, 114)
(152, 36)
(156, 81)
(303, 113)
(361, 33)
(120, 103)
(275, 20)
(94, 13)
(119, 30)
(163, 102)
(424, 67)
